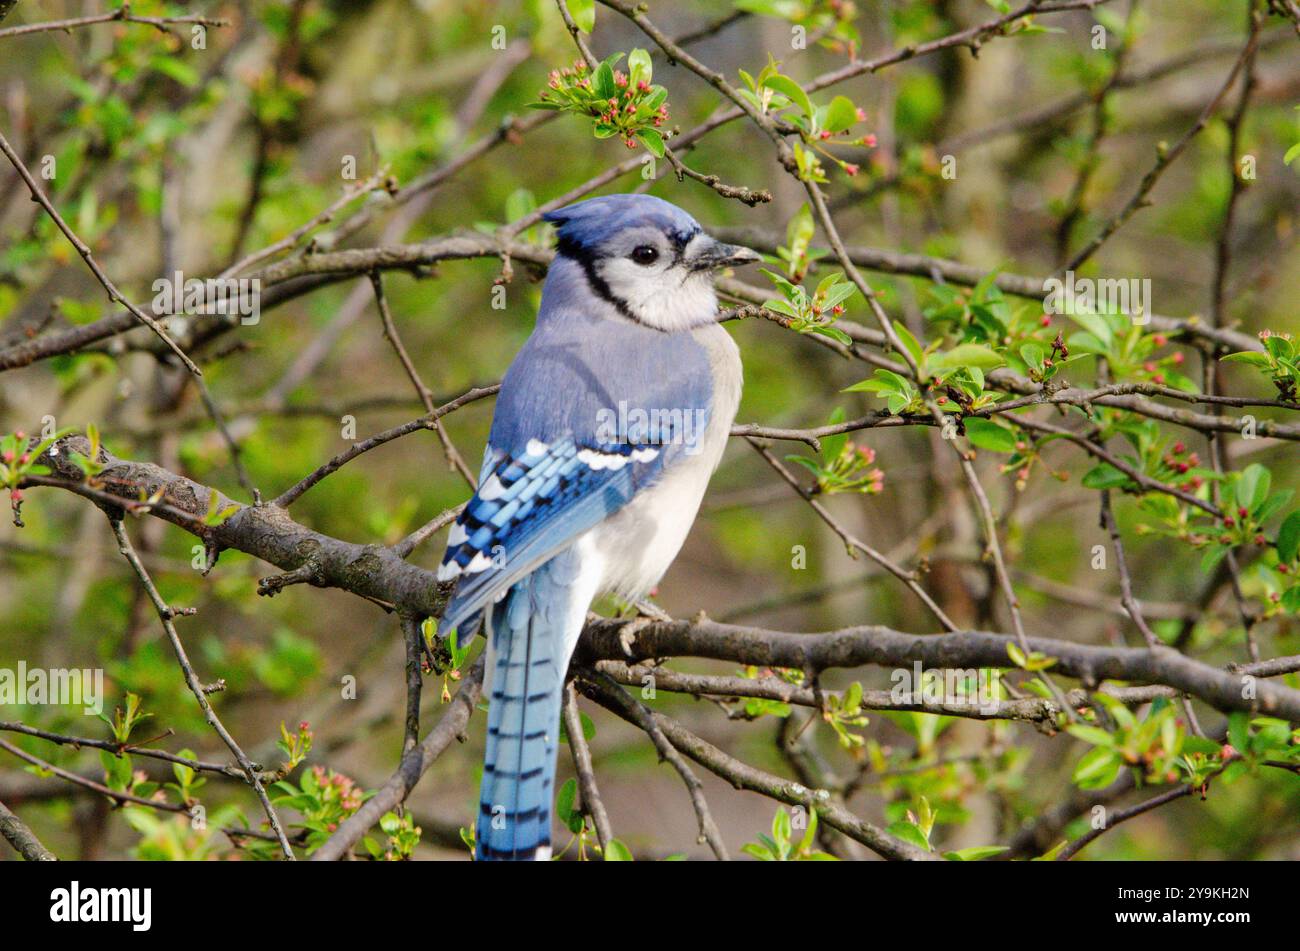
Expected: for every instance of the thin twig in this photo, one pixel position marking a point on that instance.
(591, 801)
(417, 537)
(119, 797)
(413, 765)
(611, 694)
(114, 295)
(165, 615)
(454, 458)
(1125, 579)
(236, 454)
(744, 776)
(63, 739)
(908, 578)
(1165, 156)
(290, 495)
(1118, 816)
(121, 15)
(291, 240)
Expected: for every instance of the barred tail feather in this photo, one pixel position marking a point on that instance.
(531, 634)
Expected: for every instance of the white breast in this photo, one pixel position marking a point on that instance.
(634, 547)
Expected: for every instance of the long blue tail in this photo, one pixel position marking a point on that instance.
(532, 633)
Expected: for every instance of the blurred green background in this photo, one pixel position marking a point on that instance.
(156, 145)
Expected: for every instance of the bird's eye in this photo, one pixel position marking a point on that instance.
(644, 254)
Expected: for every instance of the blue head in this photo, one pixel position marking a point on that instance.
(648, 258)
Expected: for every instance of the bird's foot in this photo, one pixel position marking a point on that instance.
(648, 609)
(647, 615)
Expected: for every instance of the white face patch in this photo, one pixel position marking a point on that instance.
(666, 295)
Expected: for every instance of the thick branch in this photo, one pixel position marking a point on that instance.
(882, 646)
(23, 840)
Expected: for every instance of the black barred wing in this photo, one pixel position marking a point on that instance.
(532, 505)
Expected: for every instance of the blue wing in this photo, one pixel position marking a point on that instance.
(532, 505)
(555, 467)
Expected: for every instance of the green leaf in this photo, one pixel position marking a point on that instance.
(616, 851)
(519, 203)
(1239, 732)
(810, 834)
(1091, 734)
(834, 333)
(967, 355)
(882, 381)
(1253, 357)
(1279, 347)
(1291, 154)
(791, 90)
(604, 83)
(836, 292)
(583, 13)
(1096, 325)
(1099, 768)
(910, 342)
(653, 142)
(781, 827)
(1199, 744)
(975, 853)
(833, 445)
(986, 434)
(1017, 655)
(781, 307)
(1051, 854)
(1272, 505)
(178, 70)
(1252, 486)
(840, 114)
(799, 234)
(1104, 476)
(792, 292)
(1084, 343)
(1212, 557)
(910, 832)
(1288, 538)
(564, 800)
(639, 66)
(896, 404)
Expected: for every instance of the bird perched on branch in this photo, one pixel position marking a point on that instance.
(608, 425)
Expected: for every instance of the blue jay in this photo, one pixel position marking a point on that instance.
(608, 425)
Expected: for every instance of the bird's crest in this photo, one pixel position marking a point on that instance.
(586, 225)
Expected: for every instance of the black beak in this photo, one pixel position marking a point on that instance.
(714, 254)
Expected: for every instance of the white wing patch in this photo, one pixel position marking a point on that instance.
(596, 460)
(491, 488)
